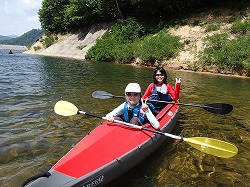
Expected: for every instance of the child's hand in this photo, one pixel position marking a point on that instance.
(144, 106)
(110, 118)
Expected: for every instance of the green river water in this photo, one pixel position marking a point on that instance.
(33, 137)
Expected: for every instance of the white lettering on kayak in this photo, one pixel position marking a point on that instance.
(94, 182)
(170, 113)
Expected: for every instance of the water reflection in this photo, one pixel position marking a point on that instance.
(33, 137)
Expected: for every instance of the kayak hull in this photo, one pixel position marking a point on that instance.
(107, 152)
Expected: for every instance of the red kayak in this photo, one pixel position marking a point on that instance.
(107, 152)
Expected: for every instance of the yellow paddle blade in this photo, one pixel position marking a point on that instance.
(212, 146)
(65, 108)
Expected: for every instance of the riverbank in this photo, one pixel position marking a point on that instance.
(13, 47)
(192, 35)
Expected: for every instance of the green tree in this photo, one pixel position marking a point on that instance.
(51, 15)
(70, 15)
(81, 13)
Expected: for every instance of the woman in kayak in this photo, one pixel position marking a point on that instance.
(134, 110)
(160, 90)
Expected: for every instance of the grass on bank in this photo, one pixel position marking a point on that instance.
(158, 47)
(229, 55)
(128, 41)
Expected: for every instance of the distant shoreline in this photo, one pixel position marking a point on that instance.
(13, 47)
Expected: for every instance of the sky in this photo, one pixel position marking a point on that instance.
(19, 16)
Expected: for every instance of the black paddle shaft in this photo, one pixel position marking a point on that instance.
(89, 114)
(216, 108)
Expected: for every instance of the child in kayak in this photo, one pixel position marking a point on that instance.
(134, 110)
(160, 90)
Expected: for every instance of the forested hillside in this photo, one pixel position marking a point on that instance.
(4, 37)
(141, 31)
(70, 15)
(26, 39)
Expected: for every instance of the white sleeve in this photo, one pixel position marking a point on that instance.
(117, 111)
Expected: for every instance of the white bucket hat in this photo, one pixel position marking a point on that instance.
(133, 87)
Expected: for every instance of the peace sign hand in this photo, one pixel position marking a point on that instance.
(144, 105)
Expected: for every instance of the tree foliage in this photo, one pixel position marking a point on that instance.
(69, 15)
(52, 16)
(81, 13)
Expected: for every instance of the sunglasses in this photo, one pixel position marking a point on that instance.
(158, 75)
(132, 94)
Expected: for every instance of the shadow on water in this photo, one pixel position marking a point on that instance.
(33, 138)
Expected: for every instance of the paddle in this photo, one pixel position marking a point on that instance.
(216, 108)
(207, 145)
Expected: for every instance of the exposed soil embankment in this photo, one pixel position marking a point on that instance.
(72, 45)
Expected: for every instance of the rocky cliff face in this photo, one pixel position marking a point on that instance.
(75, 45)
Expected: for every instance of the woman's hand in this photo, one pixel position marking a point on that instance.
(178, 80)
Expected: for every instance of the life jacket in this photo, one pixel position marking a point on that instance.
(135, 112)
(159, 96)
